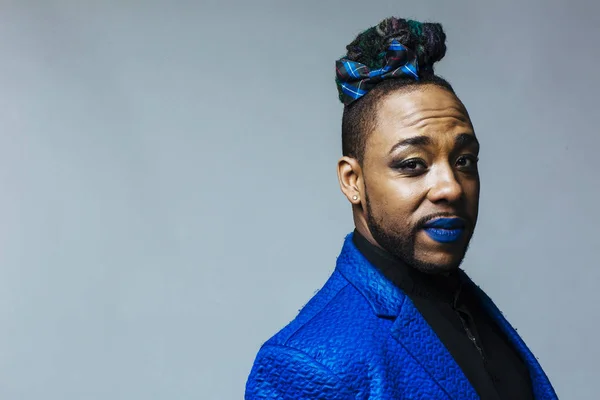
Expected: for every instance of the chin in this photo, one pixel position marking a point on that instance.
(438, 263)
(434, 257)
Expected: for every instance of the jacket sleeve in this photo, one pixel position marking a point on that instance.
(281, 372)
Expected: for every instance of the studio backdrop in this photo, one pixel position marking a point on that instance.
(169, 196)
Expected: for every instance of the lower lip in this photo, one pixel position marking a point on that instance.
(444, 235)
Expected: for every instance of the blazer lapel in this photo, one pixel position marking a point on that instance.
(417, 337)
(414, 333)
(409, 328)
(542, 388)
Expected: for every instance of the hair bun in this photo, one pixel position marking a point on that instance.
(432, 44)
(428, 40)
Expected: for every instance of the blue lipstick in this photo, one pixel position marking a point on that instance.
(445, 230)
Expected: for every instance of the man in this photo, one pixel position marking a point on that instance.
(398, 319)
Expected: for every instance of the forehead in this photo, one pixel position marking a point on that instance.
(423, 111)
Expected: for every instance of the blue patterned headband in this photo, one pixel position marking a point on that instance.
(354, 79)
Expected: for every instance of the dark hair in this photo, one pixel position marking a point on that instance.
(427, 40)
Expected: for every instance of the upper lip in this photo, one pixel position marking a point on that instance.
(446, 223)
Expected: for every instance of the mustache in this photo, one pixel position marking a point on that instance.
(424, 220)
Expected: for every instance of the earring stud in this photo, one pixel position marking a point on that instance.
(355, 197)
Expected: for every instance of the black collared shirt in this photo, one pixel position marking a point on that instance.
(479, 347)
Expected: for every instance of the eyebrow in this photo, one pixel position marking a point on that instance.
(462, 140)
(418, 141)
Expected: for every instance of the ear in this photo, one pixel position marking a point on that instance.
(350, 179)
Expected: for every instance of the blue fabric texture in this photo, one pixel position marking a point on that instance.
(360, 337)
(354, 79)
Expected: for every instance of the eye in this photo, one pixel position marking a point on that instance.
(467, 162)
(413, 166)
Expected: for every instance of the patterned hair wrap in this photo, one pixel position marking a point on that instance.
(354, 79)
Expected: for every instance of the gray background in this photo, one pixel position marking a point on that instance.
(169, 197)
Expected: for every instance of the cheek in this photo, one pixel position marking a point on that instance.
(397, 202)
(472, 189)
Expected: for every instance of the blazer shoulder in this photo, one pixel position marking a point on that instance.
(337, 327)
(281, 372)
(337, 294)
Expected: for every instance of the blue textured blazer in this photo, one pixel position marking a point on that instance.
(360, 337)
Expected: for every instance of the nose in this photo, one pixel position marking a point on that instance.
(443, 185)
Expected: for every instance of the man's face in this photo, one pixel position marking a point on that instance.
(420, 178)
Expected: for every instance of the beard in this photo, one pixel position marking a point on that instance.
(401, 245)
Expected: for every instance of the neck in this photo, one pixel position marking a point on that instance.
(361, 227)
